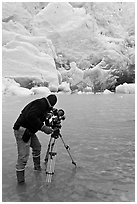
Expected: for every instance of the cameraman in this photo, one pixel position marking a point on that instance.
(28, 123)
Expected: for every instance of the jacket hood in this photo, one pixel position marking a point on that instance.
(52, 99)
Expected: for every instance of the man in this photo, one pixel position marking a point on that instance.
(28, 123)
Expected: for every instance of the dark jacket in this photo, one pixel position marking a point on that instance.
(33, 115)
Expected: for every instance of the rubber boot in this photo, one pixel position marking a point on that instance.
(20, 176)
(36, 161)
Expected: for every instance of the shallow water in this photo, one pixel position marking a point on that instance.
(100, 130)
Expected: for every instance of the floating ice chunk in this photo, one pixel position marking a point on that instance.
(80, 92)
(53, 88)
(10, 87)
(19, 91)
(41, 90)
(107, 92)
(6, 83)
(88, 89)
(126, 88)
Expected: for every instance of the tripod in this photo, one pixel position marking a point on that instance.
(51, 154)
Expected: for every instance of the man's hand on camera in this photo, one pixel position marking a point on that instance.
(46, 129)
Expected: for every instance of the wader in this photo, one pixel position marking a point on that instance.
(23, 153)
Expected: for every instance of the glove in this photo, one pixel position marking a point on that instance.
(46, 129)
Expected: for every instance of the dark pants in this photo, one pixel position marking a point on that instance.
(24, 148)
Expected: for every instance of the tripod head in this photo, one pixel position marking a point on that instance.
(56, 133)
(53, 119)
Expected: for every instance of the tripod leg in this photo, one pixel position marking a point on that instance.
(67, 148)
(51, 161)
(47, 153)
(49, 172)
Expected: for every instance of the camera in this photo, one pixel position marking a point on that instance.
(54, 117)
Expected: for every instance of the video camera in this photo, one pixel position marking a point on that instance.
(54, 117)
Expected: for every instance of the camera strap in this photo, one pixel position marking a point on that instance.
(48, 103)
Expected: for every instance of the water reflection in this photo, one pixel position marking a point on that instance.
(22, 193)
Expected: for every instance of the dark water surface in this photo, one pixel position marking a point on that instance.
(100, 130)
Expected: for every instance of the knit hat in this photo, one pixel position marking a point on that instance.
(52, 99)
